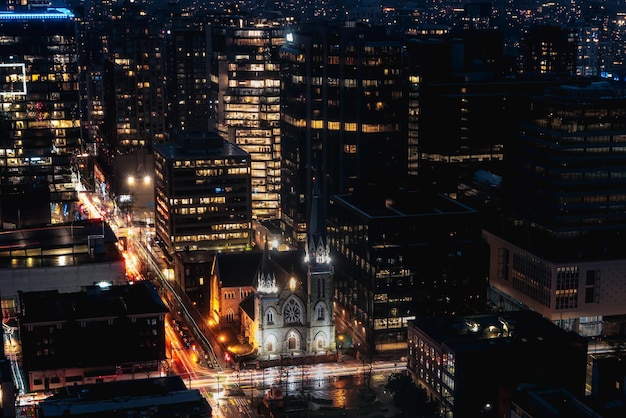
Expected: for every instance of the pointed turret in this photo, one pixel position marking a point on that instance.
(317, 248)
(266, 278)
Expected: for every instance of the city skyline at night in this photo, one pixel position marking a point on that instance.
(307, 189)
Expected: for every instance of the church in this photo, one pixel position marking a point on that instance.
(279, 302)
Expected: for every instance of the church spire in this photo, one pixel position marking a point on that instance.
(266, 278)
(317, 248)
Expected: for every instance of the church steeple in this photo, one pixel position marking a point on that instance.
(317, 249)
(266, 278)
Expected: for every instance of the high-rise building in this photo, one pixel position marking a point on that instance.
(246, 84)
(549, 50)
(125, 92)
(561, 253)
(39, 116)
(461, 76)
(343, 115)
(189, 107)
(202, 194)
(137, 83)
(399, 255)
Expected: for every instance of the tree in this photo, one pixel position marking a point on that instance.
(412, 400)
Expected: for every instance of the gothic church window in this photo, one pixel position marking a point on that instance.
(320, 312)
(292, 341)
(292, 312)
(320, 343)
(270, 318)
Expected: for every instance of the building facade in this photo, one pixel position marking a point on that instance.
(401, 255)
(561, 254)
(202, 194)
(39, 116)
(187, 78)
(343, 115)
(446, 354)
(282, 305)
(246, 85)
(64, 257)
(96, 335)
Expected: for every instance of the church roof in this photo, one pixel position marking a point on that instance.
(241, 269)
(247, 305)
(237, 269)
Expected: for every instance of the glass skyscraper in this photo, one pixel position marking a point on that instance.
(39, 116)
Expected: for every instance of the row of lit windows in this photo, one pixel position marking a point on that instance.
(384, 297)
(230, 227)
(459, 158)
(242, 99)
(21, 162)
(603, 198)
(198, 201)
(254, 84)
(336, 126)
(532, 277)
(17, 109)
(246, 67)
(206, 163)
(593, 139)
(390, 323)
(196, 210)
(210, 237)
(51, 77)
(238, 118)
(241, 107)
(592, 150)
(589, 175)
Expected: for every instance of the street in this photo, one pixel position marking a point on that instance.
(238, 393)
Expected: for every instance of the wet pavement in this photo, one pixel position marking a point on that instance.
(335, 396)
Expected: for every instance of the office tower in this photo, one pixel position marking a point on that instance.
(343, 115)
(561, 251)
(459, 107)
(246, 85)
(40, 117)
(588, 51)
(402, 254)
(549, 50)
(125, 80)
(135, 57)
(202, 194)
(189, 107)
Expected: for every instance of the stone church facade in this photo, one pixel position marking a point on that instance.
(295, 314)
(289, 310)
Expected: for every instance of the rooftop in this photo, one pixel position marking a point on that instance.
(96, 302)
(58, 245)
(116, 397)
(503, 327)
